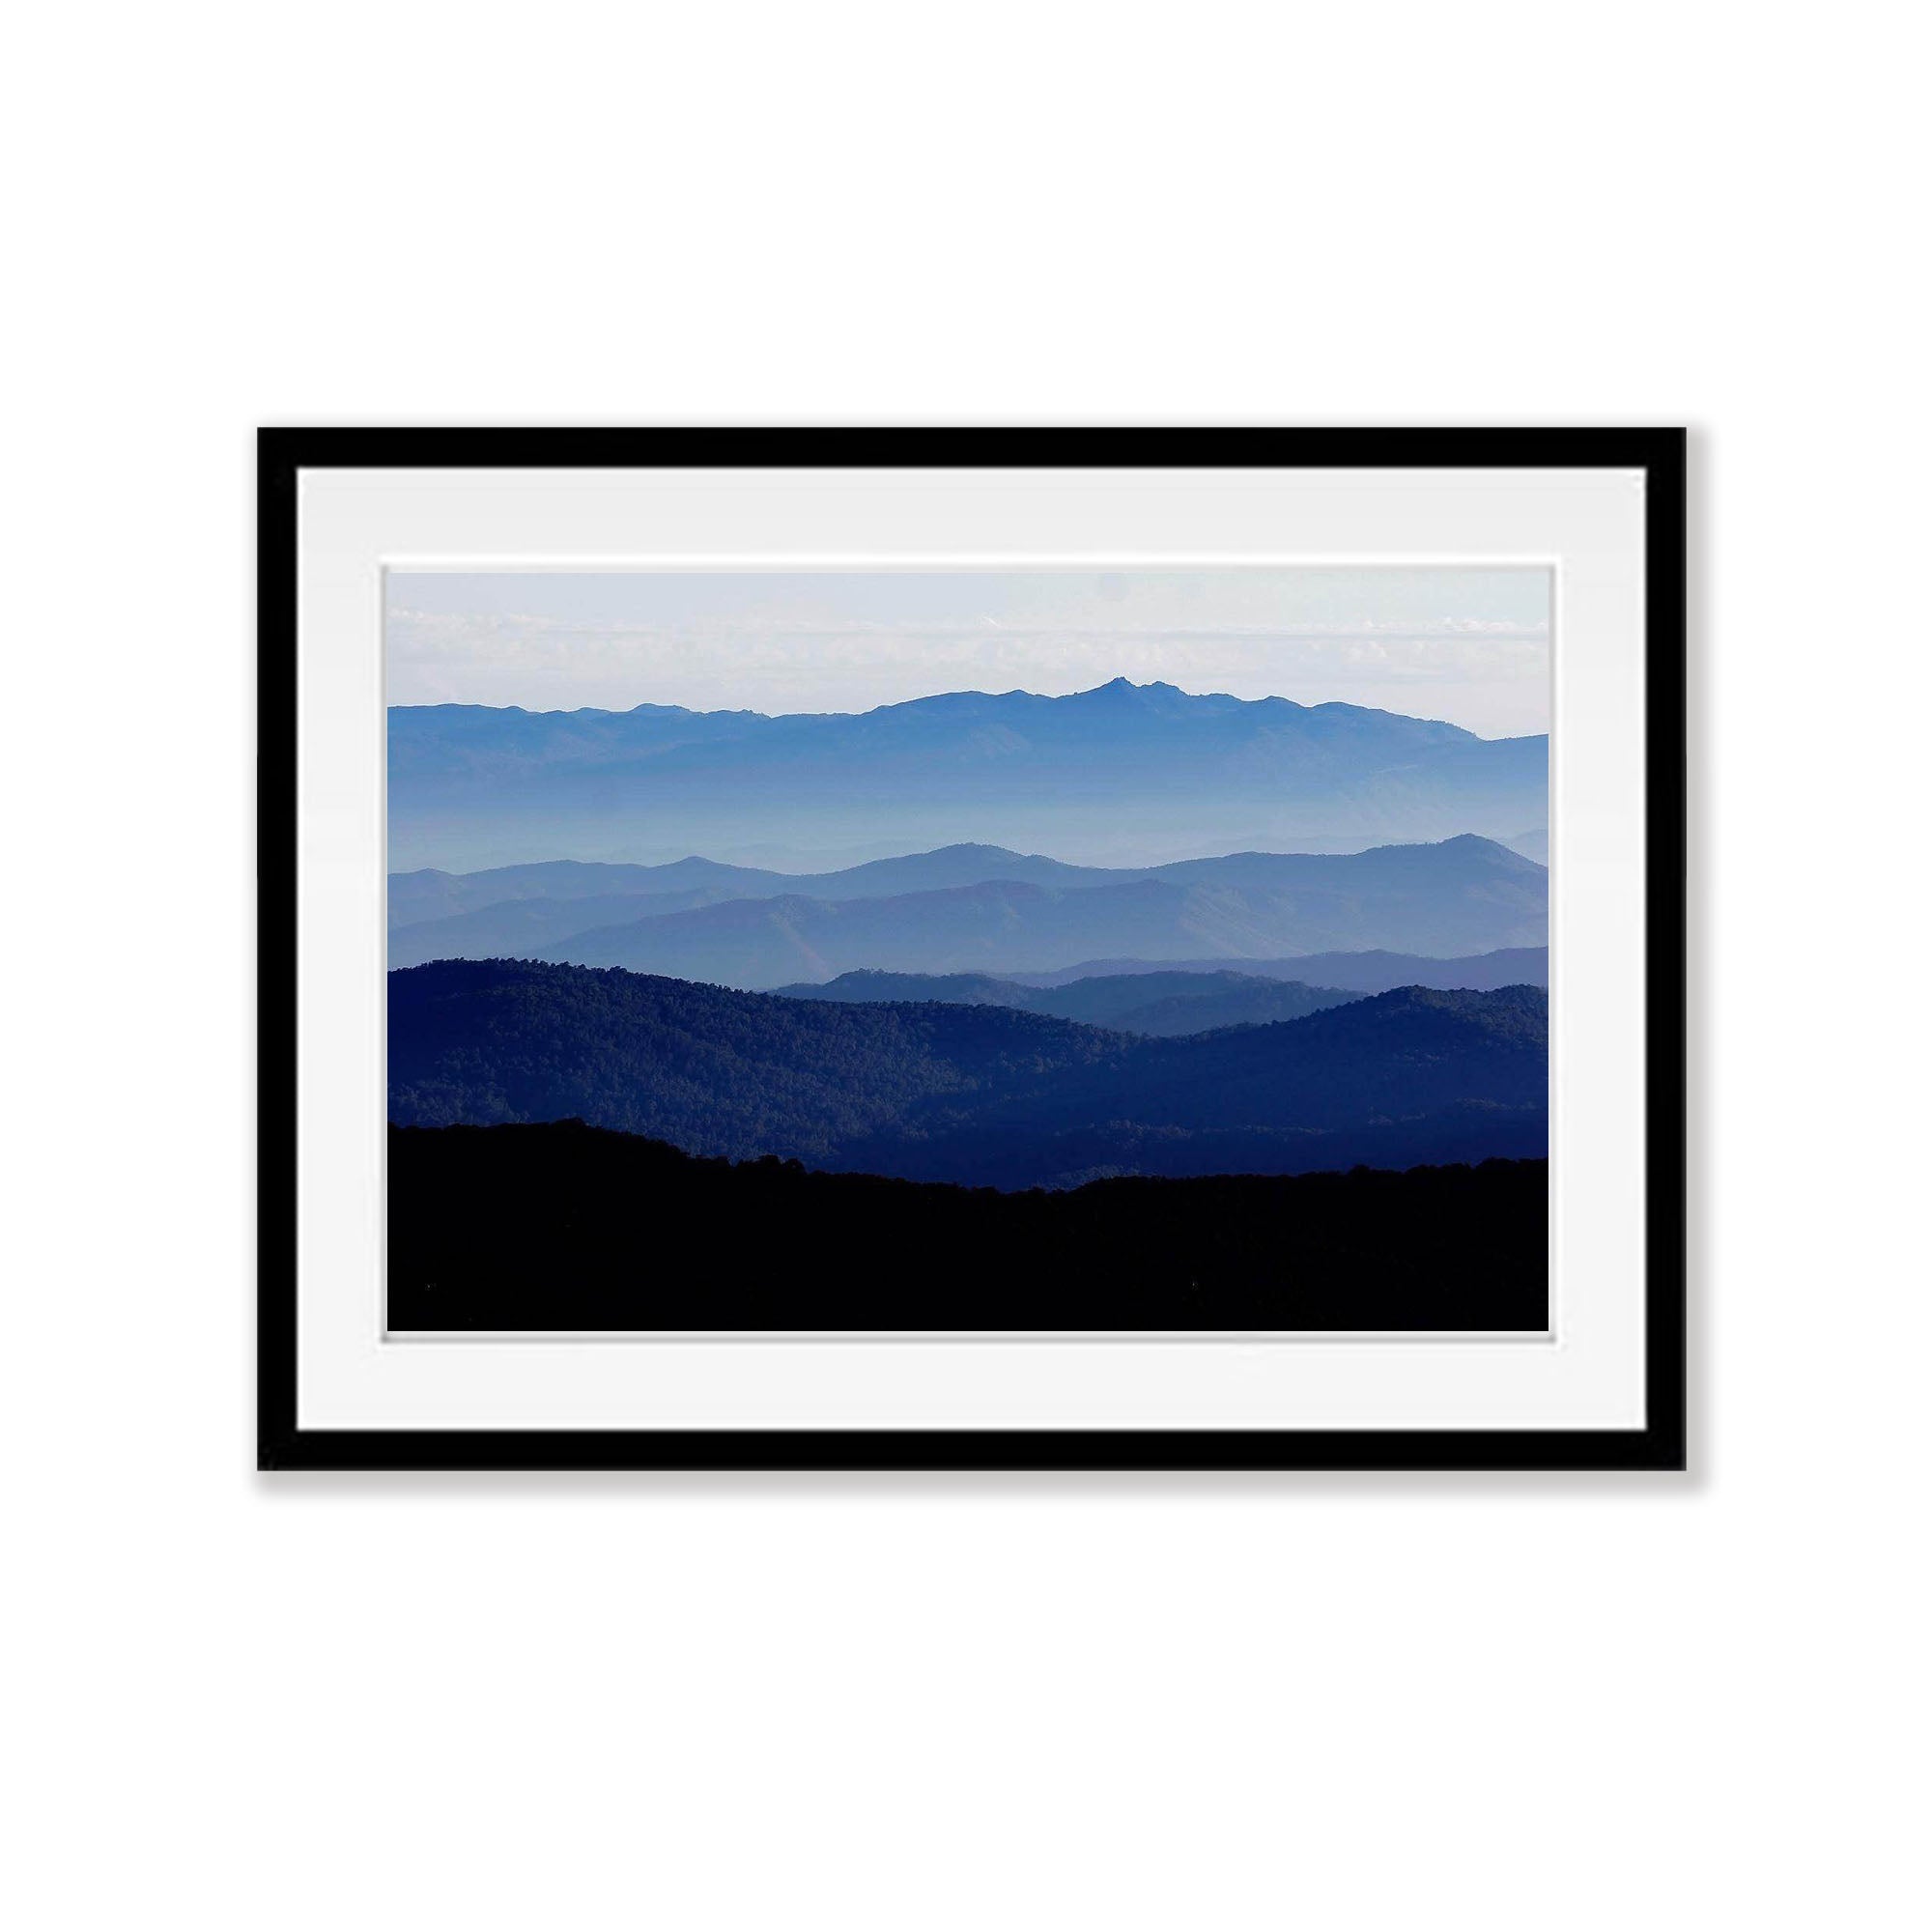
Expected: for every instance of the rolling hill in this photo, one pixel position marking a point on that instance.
(522, 911)
(984, 1095)
(430, 894)
(513, 911)
(1144, 1003)
(1368, 972)
(1465, 894)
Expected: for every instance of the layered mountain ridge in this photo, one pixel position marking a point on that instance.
(1122, 771)
(975, 908)
(987, 1094)
(1143, 1002)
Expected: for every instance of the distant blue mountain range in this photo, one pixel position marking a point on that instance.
(1122, 774)
(1370, 972)
(560, 889)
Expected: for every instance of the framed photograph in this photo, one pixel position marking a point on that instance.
(971, 949)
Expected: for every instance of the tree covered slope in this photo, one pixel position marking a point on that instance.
(981, 1093)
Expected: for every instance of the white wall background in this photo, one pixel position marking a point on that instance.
(409, 1703)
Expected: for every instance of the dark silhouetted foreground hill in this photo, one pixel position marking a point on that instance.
(979, 1094)
(567, 1226)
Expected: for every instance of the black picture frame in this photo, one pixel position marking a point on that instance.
(1660, 1444)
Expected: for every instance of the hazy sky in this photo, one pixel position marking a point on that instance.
(1468, 645)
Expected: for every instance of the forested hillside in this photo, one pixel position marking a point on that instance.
(984, 1094)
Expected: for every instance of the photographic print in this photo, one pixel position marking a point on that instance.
(983, 949)
(974, 948)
